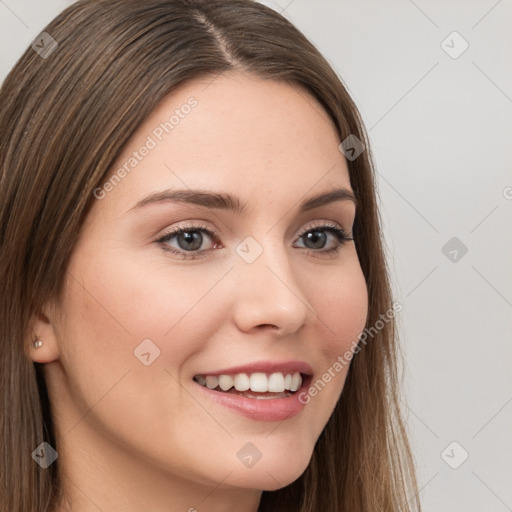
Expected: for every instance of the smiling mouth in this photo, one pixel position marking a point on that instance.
(257, 385)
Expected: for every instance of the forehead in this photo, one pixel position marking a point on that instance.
(254, 138)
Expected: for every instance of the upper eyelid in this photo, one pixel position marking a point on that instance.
(322, 224)
(198, 226)
(213, 233)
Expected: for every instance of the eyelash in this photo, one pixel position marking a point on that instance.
(339, 233)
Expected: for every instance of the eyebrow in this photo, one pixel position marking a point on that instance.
(231, 203)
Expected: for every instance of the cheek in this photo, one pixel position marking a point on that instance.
(106, 319)
(130, 301)
(340, 300)
(341, 303)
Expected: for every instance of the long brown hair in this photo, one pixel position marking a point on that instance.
(64, 118)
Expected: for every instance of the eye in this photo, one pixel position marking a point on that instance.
(187, 241)
(317, 237)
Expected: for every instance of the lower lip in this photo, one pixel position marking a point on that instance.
(264, 409)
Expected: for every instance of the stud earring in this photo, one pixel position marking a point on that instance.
(36, 343)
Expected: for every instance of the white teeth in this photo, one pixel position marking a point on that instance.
(276, 383)
(225, 382)
(296, 382)
(211, 381)
(257, 382)
(242, 382)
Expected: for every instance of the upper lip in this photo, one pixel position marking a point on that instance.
(265, 367)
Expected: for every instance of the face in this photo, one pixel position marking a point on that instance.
(165, 294)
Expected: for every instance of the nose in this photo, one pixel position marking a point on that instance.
(268, 295)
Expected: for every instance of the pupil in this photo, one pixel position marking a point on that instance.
(192, 240)
(316, 236)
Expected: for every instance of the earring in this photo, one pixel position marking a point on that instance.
(36, 342)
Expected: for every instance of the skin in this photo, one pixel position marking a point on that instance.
(133, 437)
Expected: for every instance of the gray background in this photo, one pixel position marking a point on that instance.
(441, 129)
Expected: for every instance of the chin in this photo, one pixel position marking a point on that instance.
(276, 472)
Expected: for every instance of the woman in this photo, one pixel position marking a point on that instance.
(196, 311)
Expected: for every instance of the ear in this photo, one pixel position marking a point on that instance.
(43, 328)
